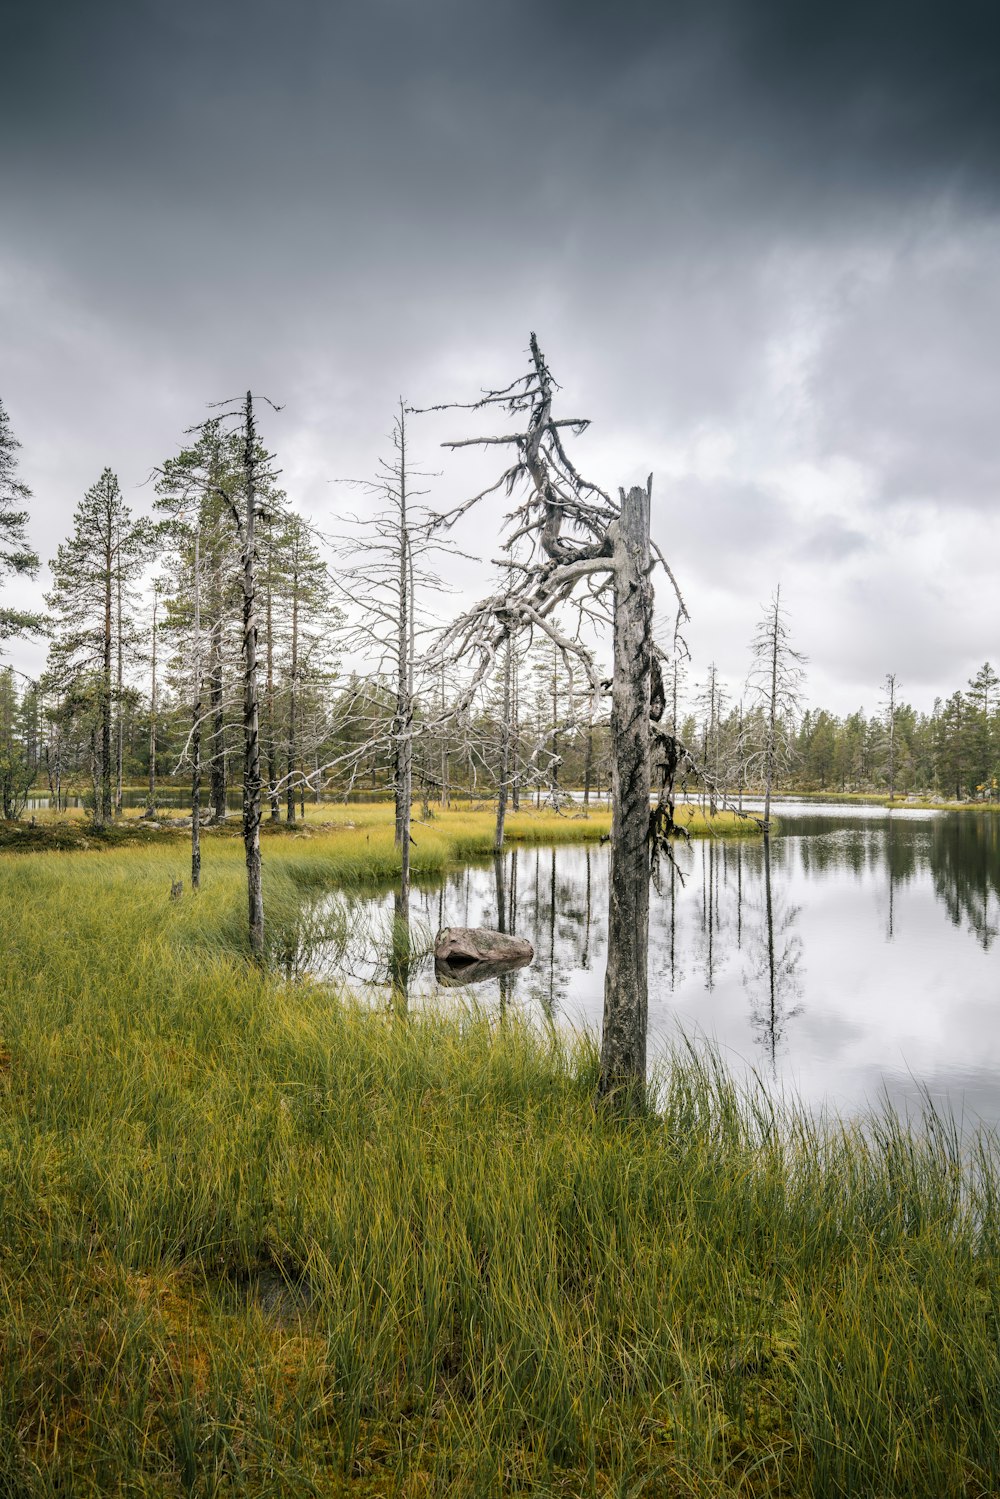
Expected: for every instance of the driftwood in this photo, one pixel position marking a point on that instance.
(459, 946)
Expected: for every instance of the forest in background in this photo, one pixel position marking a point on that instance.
(112, 712)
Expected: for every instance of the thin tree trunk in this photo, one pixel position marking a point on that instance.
(623, 1042)
(402, 730)
(515, 789)
(554, 767)
(196, 725)
(105, 800)
(292, 688)
(119, 741)
(272, 763)
(445, 788)
(587, 764)
(215, 690)
(504, 755)
(772, 716)
(152, 714)
(251, 705)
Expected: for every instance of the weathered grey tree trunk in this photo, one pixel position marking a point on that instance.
(772, 724)
(120, 686)
(196, 724)
(216, 687)
(403, 724)
(890, 714)
(588, 761)
(153, 706)
(293, 683)
(272, 760)
(505, 737)
(251, 704)
(623, 1043)
(445, 758)
(106, 798)
(515, 738)
(554, 765)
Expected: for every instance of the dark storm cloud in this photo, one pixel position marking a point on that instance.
(712, 212)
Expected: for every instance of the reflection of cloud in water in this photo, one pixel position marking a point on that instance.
(877, 941)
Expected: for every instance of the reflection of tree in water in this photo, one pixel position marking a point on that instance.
(559, 927)
(720, 908)
(966, 868)
(400, 956)
(774, 951)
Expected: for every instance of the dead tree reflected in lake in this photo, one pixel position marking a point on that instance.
(773, 975)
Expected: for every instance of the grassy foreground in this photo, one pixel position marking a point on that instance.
(256, 1240)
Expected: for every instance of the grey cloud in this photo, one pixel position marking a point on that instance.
(909, 382)
(339, 202)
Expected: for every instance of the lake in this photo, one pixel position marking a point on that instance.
(855, 959)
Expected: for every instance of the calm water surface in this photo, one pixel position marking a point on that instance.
(857, 958)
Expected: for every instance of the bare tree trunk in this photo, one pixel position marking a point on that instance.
(554, 767)
(445, 788)
(105, 796)
(515, 730)
(623, 1043)
(890, 692)
(215, 689)
(588, 763)
(504, 780)
(153, 704)
(196, 725)
(272, 762)
(251, 706)
(403, 725)
(292, 690)
(772, 723)
(119, 738)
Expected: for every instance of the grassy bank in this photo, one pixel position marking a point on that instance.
(355, 836)
(257, 1240)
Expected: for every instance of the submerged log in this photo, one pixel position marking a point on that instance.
(457, 945)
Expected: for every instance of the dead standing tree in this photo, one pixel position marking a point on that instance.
(593, 556)
(384, 588)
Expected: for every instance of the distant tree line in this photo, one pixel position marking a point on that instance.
(953, 752)
(146, 662)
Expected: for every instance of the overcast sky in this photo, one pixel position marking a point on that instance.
(759, 242)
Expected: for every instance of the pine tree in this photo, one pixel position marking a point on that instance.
(983, 695)
(92, 598)
(17, 762)
(15, 554)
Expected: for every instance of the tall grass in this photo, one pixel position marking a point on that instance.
(257, 1239)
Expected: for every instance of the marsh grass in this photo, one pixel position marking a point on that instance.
(259, 1239)
(358, 835)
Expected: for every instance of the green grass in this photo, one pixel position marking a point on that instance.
(490, 1286)
(356, 837)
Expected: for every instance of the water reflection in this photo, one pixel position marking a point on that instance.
(966, 864)
(853, 954)
(773, 974)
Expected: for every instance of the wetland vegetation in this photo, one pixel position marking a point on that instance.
(260, 1238)
(269, 1230)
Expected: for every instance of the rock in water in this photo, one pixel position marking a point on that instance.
(456, 945)
(457, 975)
